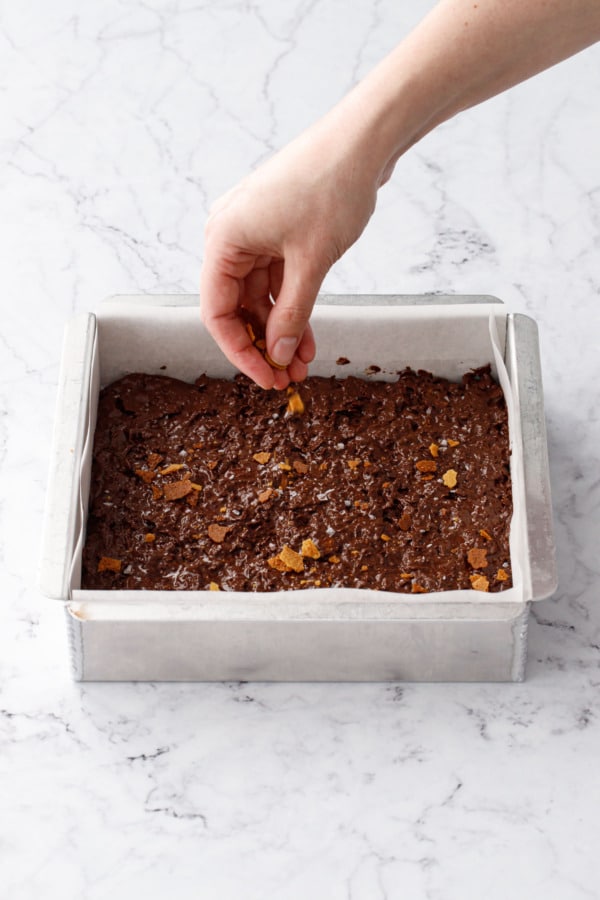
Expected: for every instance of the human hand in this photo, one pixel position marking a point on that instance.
(270, 242)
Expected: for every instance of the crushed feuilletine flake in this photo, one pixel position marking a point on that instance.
(477, 558)
(310, 549)
(262, 458)
(292, 559)
(145, 474)
(404, 522)
(218, 533)
(426, 465)
(173, 467)
(479, 583)
(109, 564)
(450, 478)
(287, 560)
(295, 405)
(175, 490)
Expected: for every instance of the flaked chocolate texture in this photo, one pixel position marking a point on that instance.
(401, 486)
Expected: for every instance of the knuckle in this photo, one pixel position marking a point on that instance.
(293, 315)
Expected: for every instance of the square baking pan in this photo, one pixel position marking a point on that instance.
(304, 635)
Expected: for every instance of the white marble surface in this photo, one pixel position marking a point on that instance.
(120, 122)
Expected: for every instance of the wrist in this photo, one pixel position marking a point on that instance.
(391, 110)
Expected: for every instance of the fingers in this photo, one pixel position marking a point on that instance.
(273, 289)
(307, 346)
(221, 297)
(289, 337)
(298, 368)
(255, 297)
(219, 306)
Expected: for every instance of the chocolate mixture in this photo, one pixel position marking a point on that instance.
(220, 485)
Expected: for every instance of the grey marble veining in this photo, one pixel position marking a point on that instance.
(121, 122)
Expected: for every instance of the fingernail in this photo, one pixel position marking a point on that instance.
(284, 349)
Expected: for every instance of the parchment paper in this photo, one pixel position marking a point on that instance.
(447, 340)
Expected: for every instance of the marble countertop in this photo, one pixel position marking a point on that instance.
(121, 122)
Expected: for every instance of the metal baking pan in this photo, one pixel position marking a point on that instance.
(317, 635)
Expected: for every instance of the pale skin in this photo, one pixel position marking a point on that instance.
(271, 240)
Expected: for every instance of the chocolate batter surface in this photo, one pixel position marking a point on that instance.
(219, 485)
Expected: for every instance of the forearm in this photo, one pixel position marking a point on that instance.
(462, 53)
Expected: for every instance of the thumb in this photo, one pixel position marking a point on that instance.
(289, 316)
